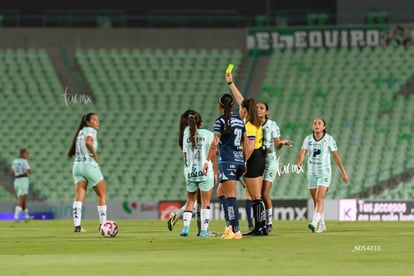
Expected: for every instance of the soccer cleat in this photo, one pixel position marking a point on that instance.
(321, 228)
(260, 231)
(204, 234)
(269, 228)
(28, 218)
(172, 220)
(99, 227)
(212, 234)
(311, 227)
(228, 236)
(207, 234)
(233, 236)
(79, 229)
(185, 231)
(227, 232)
(237, 236)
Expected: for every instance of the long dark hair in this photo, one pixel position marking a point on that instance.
(266, 107)
(183, 125)
(226, 101)
(194, 122)
(85, 118)
(252, 116)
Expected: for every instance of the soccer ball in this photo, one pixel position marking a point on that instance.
(109, 229)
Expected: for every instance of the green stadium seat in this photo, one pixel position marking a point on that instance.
(311, 82)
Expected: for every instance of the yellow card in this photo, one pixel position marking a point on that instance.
(229, 68)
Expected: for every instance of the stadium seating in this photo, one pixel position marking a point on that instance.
(359, 93)
(403, 191)
(33, 103)
(142, 93)
(139, 95)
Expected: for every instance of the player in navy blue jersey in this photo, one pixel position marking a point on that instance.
(230, 139)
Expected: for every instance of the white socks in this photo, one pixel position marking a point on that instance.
(77, 212)
(187, 218)
(269, 217)
(205, 218)
(316, 218)
(102, 213)
(322, 221)
(17, 212)
(26, 213)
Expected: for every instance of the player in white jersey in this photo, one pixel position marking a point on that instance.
(319, 146)
(271, 142)
(174, 216)
(86, 169)
(196, 145)
(21, 170)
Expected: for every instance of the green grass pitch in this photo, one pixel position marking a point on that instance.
(146, 247)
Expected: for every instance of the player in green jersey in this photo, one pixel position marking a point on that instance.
(319, 147)
(271, 142)
(86, 170)
(196, 145)
(21, 170)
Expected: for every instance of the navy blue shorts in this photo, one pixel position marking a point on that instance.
(230, 171)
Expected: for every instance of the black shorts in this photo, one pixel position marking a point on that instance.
(256, 164)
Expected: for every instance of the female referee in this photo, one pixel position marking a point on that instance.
(319, 145)
(86, 169)
(255, 156)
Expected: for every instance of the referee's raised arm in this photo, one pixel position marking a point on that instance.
(234, 90)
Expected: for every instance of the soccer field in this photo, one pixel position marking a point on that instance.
(146, 247)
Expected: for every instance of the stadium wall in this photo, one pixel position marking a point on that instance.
(335, 210)
(74, 38)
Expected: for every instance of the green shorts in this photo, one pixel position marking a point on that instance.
(89, 172)
(319, 180)
(270, 171)
(21, 186)
(205, 185)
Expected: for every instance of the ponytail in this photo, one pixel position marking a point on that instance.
(83, 122)
(253, 117)
(194, 122)
(226, 101)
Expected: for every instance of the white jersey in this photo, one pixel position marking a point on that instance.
(20, 166)
(270, 131)
(319, 153)
(82, 153)
(196, 157)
